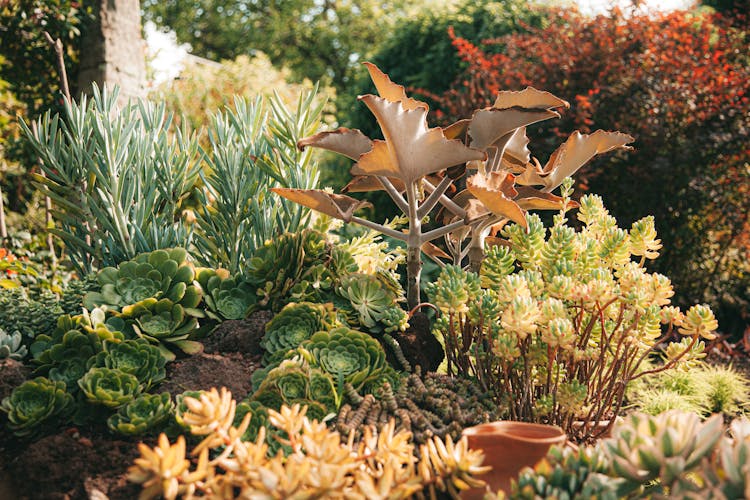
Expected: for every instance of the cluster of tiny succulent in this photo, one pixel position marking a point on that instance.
(670, 455)
(29, 314)
(157, 296)
(320, 464)
(554, 316)
(437, 405)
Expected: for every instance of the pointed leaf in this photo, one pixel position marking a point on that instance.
(349, 142)
(528, 98)
(496, 191)
(532, 199)
(490, 126)
(577, 150)
(390, 90)
(411, 150)
(334, 205)
(434, 251)
(368, 183)
(457, 130)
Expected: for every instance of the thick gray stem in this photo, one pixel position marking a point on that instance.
(413, 248)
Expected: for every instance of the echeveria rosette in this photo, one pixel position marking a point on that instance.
(368, 297)
(149, 276)
(36, 404)
(11, 345)
(136, 357)
(225, 297)
(294, 324)
(167, 324)
(109, 387)
(323, 389)
(348, 355)
(146, 413)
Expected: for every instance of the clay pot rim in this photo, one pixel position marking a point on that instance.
(508, 427)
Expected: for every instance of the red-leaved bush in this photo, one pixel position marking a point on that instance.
(678, 82)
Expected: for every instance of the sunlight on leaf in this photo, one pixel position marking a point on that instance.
(334, 205)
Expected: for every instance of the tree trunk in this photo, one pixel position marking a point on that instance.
(113, 51)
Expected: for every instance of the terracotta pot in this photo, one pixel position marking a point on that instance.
(509, 447)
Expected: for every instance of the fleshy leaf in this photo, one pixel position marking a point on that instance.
(411, 150)
(392, 91)
(349, 142)
(334, 205)
(576, 151)
(532, 199)
(368, 183)
(494, 127)
(496, 191)
(528, 98)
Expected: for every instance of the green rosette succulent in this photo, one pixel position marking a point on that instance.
(368, 297)
(109, 387)
(348, 355)
(323, 389)
(294, 381)
(66, 354)
(294, 324)
(35, 404)
(167, 324)
(136, 357)
(11, 346)
(566, 473)
(161, 274)
(225, 297)
(147, 412)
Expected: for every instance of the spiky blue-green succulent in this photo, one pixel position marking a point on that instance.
(136, 357)
(225, 297)
(109, 387)
(146, 413)
(11, 345)
(149, 277)
(36, 404)
(294, 324)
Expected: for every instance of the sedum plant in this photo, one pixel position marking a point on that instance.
(319, 464)
(225, 297)
(143, 414)
(11, 346)
(416, 165)
(117, 177)
(557, 323)
(109, 387)
(37, 403)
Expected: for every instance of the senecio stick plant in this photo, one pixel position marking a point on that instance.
(416, 165)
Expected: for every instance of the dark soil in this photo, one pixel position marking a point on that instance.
(92, 463)
(419, 345)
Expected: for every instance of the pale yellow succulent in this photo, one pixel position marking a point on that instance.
(521, 316)
(699, 320)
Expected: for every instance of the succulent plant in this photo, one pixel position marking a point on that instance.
(161, 274)
(181, 406)
(368, 297)
(317, 463)
(32, 316)
(71, 299)
(37, 403)
(65, 354)
(146, 413)
(136, 357)
(725, 389)
(566, 473)
(167, 325)
(656, 454)
(11, 346)
(297, 267)
(109, 387)
(295, 323)
(225, 297)
(294, 380)
(348, 355)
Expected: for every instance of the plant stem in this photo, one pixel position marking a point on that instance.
(413, 247)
